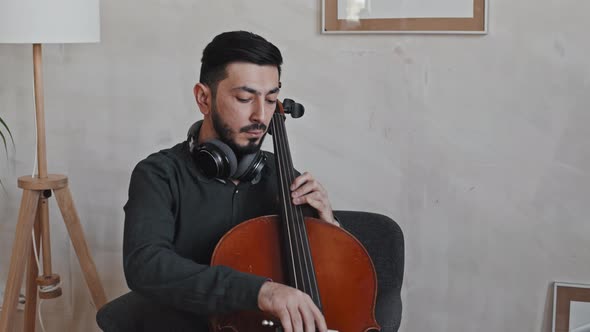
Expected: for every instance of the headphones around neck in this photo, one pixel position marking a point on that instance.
(216, 160)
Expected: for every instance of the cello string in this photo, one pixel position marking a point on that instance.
(309, 283)
(304, 246)
(292, 224)
(285, 195)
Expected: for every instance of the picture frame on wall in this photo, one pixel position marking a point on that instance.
(405, 16)
(571, 307)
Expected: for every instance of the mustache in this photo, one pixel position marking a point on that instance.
(254, 126)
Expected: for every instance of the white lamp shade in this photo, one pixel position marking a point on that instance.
(49, 21)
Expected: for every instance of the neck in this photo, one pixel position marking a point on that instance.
(207, 131)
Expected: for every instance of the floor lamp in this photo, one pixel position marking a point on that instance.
(39, 22)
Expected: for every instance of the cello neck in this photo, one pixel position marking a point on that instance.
(300, 270)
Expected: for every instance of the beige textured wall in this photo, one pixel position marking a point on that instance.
(476, 145)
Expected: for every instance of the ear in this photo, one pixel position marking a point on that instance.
(203, 97)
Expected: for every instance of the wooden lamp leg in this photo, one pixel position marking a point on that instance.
(32, 273)
(49, 281)
(72, 221)
(20, 252)
(44, 223)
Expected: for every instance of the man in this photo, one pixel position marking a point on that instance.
(175, 214)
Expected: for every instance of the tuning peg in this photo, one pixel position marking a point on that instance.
(295, 109)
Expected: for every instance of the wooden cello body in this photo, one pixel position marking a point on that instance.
(316, 257)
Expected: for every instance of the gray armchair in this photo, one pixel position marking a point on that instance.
(381, 236)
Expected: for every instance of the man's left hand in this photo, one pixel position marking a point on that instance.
(307, 190)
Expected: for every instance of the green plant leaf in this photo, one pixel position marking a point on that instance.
(7, 129)
(5, 145)
(4, 141)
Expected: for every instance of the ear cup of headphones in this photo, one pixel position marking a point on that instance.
(215, 159)
(250, 166)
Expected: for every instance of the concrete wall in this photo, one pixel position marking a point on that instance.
(476, 145)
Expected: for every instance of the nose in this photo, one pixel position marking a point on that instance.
(258, 111)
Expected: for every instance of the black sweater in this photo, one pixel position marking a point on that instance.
(174, 218)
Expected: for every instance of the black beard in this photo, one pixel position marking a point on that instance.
(227, 137)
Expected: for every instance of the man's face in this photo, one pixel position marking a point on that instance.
(244, 104)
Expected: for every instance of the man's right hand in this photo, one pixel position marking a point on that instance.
(293, 307)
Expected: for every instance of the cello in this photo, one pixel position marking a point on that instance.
(318, 258)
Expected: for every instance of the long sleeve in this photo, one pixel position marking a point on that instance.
(153, 267)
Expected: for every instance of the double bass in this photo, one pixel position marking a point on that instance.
(313, 256)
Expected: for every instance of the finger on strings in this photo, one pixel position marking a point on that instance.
(305, 189)
(315, 199)
(301, 179)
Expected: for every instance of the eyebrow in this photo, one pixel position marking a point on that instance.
(256, 92)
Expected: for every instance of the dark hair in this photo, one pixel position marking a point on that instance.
(236, 46)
